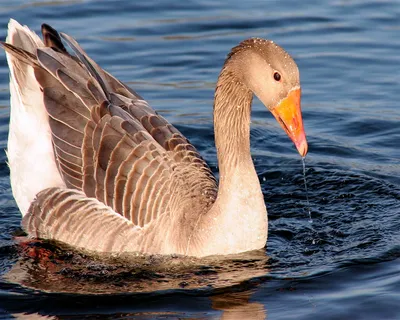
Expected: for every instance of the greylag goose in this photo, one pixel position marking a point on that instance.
(94, 166)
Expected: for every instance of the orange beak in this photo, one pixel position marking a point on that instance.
(288, 114)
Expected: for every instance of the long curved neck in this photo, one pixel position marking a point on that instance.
(237, 221)
(232, 109)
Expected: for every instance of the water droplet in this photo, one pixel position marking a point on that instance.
(305, 186)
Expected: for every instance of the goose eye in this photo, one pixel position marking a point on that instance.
(277, 76)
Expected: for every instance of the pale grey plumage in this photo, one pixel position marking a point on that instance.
(118, 150)
(133, 182)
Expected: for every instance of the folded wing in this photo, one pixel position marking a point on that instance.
(110, 145)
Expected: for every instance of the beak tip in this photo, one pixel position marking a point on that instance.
(302, 147)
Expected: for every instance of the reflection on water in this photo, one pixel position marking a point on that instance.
(236, 306)
(49, 268)
(86, 281)
(32, 316)
(228, 306)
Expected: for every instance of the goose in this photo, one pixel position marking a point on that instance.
(93, 166)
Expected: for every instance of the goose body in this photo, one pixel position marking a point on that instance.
(94, 166)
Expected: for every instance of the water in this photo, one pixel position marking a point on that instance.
(303, 160)
(342, 266)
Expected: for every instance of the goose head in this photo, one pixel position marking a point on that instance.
(272, 75)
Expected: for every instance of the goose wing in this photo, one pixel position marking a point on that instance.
(110, 144)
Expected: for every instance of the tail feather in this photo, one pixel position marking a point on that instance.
(22, 37)
(52, 39)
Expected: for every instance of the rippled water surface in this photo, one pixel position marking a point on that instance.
(343, 265)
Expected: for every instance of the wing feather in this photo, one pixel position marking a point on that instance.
(89, 183)
(121, 151)
(111, 145)
(69, 216)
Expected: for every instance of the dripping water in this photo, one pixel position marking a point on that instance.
(303, 159)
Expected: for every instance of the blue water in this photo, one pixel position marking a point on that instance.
(343, 265)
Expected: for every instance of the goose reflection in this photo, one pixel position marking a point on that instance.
(236, 306)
